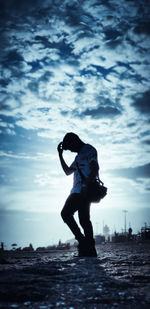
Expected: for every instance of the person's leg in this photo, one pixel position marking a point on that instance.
(84, 218)
(70, 207)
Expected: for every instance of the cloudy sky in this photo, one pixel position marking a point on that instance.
(80, 66)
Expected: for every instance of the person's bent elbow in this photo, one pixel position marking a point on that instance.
(68, 171)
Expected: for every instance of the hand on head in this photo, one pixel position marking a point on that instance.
(60, 148)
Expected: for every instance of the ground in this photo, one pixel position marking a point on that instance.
(118, 278)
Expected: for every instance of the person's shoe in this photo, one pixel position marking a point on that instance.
(80, 252)
(86, 250)
(91, 252)
(82, 247)
(90, 248)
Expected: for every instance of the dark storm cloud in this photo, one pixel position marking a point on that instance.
(132, 124)
(145, 133)
(111, 34)
(98, 69)
(97, 113)
(73, 13)
(102, 112)
(4, 82)
(79, 87)
(13, 57)
(133, 76)
(129, 72)
(147, 142)
(143, 27)
(7, 119)
(134, 173)
(142, 102)
(20, 6)
(105, 107)
(10, 101)
(62, 47)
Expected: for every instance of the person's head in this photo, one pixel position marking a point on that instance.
(72, 142)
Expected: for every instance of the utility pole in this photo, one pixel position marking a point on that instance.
(125, 212)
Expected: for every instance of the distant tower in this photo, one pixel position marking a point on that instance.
(106, 231)
(125, 225)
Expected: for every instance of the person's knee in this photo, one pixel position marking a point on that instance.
(64, 215)
(84, 222)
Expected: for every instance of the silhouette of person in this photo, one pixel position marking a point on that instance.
(129, 233)
(86, 161)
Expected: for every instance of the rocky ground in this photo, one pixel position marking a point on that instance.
(118, 278)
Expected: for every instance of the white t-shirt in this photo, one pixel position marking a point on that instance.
(87, 154)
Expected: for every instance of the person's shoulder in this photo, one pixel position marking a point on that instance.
(90, 147)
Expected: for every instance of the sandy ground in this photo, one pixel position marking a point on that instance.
(118, 278)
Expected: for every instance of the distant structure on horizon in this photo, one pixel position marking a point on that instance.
(142, 236)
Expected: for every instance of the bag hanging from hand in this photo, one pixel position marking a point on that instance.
(96, 191)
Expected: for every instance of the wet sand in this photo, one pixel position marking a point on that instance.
(118, 278)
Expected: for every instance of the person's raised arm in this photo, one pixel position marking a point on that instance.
(65, 167)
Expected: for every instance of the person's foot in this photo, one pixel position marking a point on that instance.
(82, 247)
(85, 249)
(91, 252)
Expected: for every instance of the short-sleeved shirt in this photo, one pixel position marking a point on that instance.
(86, 155)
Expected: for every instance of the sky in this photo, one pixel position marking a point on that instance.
(72, 66)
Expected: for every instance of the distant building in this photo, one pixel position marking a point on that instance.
(30, 248)
(2, 246)
(63, 246)
(145, 233)
(99, 239)
(119, 237)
